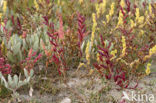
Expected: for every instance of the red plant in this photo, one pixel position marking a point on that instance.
(109, 68)
(128, 3)
(123, 101)
(58, 55)
(4, 67)
(60, 31)
(31, 60)
(58, 51)
(81, 30)
(16, 23)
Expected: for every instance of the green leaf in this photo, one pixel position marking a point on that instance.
(111, 47)
(24, 45)
(10, 82)
(31, 72)
(16, 48)
(27, 80)
(8, 24)
(1, 75)
(35, 46)
(10, 57)
(15, 80)
(20, 83)
(82, 46)
(30, 3)
(20, 56)
(26, 73)
(4, 81)
(2, 29)
(106, 42)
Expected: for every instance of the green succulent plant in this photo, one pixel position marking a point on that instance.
(33, 41)
(18, 47)
(14, 51)
(15, 82)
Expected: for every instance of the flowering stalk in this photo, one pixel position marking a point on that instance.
(97, 10)
(80, 1)
(36, 5)
(151, 52)
(148, 71)
(111, 12)
(90, 43)
(113, 53)
(150, 10)
(60, 31)
(124, 46)
(103, 6)
(81, 30)
(88, 56)
(120, 19)
(122, 3)
(58, 51)
(100, 8)
(139, 19)
(4, 6)
(93, 29)
(88, 53)
(132, 23)
(128, 4)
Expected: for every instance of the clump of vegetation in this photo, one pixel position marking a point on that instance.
(116, 38)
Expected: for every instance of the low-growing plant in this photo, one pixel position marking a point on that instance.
(4, 67)
(30, 61)
(116, 38)
(81, 30)
(15, 83)
(57, 56)
(123, 58)
(16, 49)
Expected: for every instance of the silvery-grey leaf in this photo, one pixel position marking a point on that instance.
(26, 73)
(28, 79)
(82, 46)
(10, 81)
(1, 75)
(31, 72)
(16, 48)
(106, 42)
(111, 47)
(5, 82)
(20, 83)
(31, 92)
(16, 80)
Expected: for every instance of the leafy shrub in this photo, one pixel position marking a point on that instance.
(123, 58)
(116, 37)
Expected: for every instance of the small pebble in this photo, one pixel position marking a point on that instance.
(66, 100)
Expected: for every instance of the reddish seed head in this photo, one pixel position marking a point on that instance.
(24, 35)
(108, 76)
(81, 27)
(4, 68)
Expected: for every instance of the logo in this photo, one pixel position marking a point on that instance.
(138, 97)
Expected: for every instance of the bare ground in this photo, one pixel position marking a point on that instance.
(81, 88)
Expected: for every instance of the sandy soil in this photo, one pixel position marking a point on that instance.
(80, 88)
